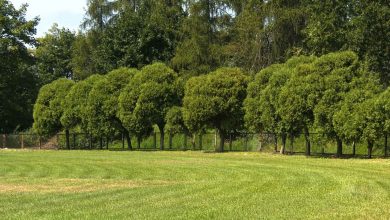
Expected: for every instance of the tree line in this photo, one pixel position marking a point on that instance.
(191, 37)
(334, 95)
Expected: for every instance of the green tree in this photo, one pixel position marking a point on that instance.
(75, 109)
(158, 89)
(135, 123)
(204, 32)
(176, 125)
(103, 104)
(360, 26)
(18, 81)
(383, 106)
(216, 100)
(82, 64)
(298, 98)
(54, 54)
(49, 107)
(336, 72)
(266, 32)
(350, 121)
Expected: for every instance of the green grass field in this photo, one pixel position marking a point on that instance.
(190, 185)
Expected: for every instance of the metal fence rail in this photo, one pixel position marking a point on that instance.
(208, 141)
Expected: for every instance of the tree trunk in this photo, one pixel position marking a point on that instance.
(107, 140)
(162, 136)
(276, 143)
(170, 140)
(40, 141)
(339, 147)
(67, 141)
(101, 142)
(370, 146)
(128, 140)
(354, 149)
(261, 141)
(283, 149)
(193, 141)
(308, 144)
(386, 146)
(222, 142)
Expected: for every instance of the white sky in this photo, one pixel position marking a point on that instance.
(66, 13)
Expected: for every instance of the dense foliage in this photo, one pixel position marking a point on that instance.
(275, 66)
(18, 82)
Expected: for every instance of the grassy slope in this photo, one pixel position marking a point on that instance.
(190, 185)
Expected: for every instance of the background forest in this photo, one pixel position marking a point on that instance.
(191, 38)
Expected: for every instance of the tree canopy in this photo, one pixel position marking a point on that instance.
(216, 100)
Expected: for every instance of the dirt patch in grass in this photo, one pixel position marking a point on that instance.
(78, 185)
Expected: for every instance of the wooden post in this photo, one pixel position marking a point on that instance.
(185, 142)
(123, 141)
(58, 140)
(200, 141)
(4, 140)
(276, 143)
(67, 142)
(230, 142)
(246, 143)
(215, 139)
(386, 146)
(170, 140)
(74, 141)
(22, 140)
(90, 141)
(292, 144)
(154, 140)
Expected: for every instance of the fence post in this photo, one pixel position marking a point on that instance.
(90, 141)
(185, 142)
(276, 142)
(58, 141)
(123, 141)
(292, 144)
(22, 140)
(74, 141)
(246, 142)
(67, 142)
(215, 139)
(170, 140)
(4, 140)
(200, 141)
(40, 142)
(230, 142)
(386, 146)
(154, 140)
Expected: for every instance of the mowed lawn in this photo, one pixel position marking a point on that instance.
(190, 185)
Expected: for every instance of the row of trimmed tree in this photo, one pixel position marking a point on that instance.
(333, 94)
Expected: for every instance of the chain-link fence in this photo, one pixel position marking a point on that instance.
(208, 141)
